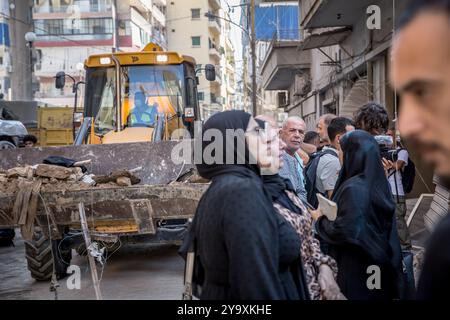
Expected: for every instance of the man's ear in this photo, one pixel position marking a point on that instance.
(337, 139)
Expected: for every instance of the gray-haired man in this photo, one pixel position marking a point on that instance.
(292, 134)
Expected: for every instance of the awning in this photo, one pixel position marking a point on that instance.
(325, 39)
(335, 13)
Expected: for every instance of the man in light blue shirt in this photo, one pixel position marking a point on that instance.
(293, 133)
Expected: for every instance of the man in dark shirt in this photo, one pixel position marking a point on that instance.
(421, 75)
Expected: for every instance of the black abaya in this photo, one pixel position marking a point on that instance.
(364, 232)
(244, 250)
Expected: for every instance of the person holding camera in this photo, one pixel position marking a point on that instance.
(395, 163)
(374, 119)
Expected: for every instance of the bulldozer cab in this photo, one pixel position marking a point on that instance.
(138, 97)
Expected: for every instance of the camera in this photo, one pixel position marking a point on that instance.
(387, 150)
(389, 154)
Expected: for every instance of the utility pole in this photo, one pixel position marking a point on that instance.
(253, 53)
(20, 24)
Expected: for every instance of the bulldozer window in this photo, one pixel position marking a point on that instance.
(100, 99)
(151, 90)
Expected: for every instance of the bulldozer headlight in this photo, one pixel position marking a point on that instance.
(162, 58)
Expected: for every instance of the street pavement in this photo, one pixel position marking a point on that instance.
(135, 272)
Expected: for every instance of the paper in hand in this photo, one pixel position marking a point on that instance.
(327, 207)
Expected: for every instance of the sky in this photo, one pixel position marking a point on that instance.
(236, 33)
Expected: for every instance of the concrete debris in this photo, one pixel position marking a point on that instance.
(57, 172)
(114, 176)
(123, 181)
(55, 178)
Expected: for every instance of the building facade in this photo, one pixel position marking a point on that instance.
(274, 21)
(228, 66)
(339, 62)
(202, 41)
(5, 46)
(68, 31)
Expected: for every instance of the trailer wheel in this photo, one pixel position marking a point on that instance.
(4, 145)
(40, 258)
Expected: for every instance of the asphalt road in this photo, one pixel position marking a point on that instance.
(134, 272)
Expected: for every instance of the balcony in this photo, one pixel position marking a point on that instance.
(158, 15)
(213, 51)
(159, 38)
(283, 61)
(336, 13)
(77, 7)
(142, 5)
(215, 4)
(214, 24)
(218, 77)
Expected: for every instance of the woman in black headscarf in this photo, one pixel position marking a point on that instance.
(243, 249)
(363, 238)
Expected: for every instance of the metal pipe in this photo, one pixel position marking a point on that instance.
(253, 53)
(118, 95)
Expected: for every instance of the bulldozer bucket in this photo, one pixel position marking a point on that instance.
(153, 157)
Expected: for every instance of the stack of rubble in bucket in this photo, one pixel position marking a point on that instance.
(28, 182)
(57, 178)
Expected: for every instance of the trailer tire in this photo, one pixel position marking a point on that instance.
(40, 258)
(5, 145)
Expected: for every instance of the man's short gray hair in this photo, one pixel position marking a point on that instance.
(327, 118)
(293, 118)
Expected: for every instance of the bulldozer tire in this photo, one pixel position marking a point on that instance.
(39, 257)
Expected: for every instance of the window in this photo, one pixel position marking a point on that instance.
(75, 27)
(195, 41)
(195, 14)
(201, 96)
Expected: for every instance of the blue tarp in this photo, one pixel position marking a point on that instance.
(281, 20)
(4, 34)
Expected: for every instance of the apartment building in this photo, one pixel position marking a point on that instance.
(68, 31)
(191, 33)
(274, 21)
(337, 64)
(228, 66)
(5, 44)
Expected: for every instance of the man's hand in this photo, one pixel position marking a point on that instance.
(316, 214)
(387, 165)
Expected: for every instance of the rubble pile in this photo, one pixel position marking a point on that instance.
(56, 178)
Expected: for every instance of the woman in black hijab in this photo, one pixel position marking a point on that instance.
(243, 249)
(363, 238)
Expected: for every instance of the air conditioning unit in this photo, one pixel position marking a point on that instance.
(302, 86)
(283, 99)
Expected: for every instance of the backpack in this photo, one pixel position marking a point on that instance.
(408, 176)
(311, 175)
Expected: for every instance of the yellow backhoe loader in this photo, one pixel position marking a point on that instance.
(134, 103)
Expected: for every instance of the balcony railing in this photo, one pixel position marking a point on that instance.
(287, 35)
(159, 15)
(77, 7)
(159, 38)
(212, 18)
